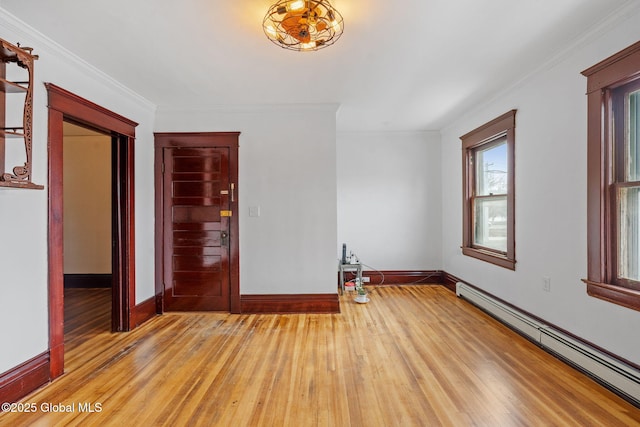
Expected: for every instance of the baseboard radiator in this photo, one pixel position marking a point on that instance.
(620, 377)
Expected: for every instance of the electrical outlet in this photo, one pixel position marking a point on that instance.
(366, 279)
(546, 284)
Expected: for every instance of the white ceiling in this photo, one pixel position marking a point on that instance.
(400, 65)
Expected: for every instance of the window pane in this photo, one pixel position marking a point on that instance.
(491, 168)
(633, 138)
(629, 233)
(490, 227)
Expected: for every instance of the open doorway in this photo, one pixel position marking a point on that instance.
(88, 233)
(64, 107)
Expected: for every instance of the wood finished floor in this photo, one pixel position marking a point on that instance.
(413, 356)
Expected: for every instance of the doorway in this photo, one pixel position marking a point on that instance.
(64, 107)
(88, 232)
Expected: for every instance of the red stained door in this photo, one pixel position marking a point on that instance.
(197, 202)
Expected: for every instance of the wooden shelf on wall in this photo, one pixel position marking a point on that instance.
(7, 86)
(11, 133)
(26, 185)
(18, 176)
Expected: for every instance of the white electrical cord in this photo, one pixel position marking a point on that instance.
(377, 271)
(428, 276)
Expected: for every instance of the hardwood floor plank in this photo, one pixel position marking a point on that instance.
(413, 356)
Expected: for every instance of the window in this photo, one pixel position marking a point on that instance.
(626, 186)
(488, 192)
(613, 198)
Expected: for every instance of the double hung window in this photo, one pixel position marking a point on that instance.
(488, 192)
(613, 198)
(626, 183)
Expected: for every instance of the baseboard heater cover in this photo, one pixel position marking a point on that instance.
(523, 323)
(617, 375)
(604, 368)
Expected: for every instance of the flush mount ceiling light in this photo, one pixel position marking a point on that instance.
(303, 24)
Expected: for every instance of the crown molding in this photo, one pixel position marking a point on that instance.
(40, 43)
(628, 10)
(250, 108)
(423, 133)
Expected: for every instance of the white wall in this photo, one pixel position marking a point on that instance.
(287, 168)
(550, 221)
(389, 192)
(87, 204)
(23, 213)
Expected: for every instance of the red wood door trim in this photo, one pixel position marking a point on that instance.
(64, 105)
(88, 112)
(198, 139)
(56, 239)
(123, 255)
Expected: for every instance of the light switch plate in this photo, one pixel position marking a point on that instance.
(254, 211)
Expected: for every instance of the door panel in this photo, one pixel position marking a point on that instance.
(196, 243)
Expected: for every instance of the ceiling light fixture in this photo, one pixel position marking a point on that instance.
(303, 24)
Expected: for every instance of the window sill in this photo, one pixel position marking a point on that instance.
(490, 257)
(619, 295)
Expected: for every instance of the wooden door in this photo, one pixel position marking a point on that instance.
(197, 209)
